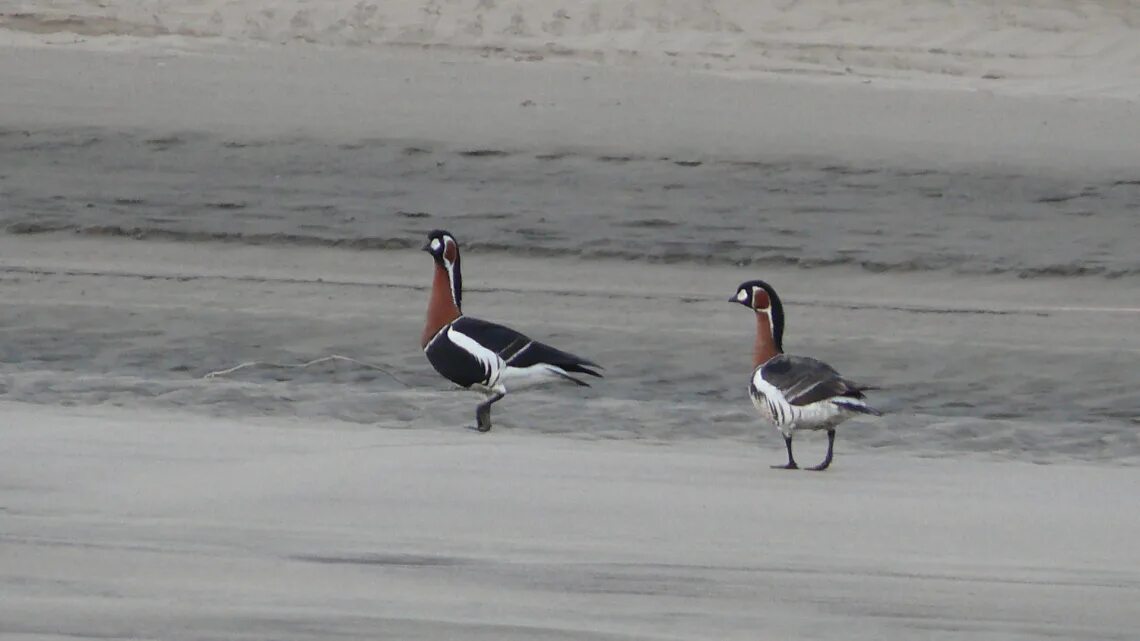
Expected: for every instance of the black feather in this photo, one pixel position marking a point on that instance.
(518, 350)
(805, 380)
(857, 407)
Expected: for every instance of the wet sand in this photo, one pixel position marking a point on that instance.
(93, 320)
(336, 500)
(140, 499)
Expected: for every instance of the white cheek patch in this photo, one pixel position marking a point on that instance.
(435, 244)
(742, 295)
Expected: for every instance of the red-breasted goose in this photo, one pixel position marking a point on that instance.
(483, 356)
(794, 392)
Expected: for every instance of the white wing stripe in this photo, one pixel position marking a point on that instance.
(802, 389)
(783, 413)
(520, 352)
(492, 364)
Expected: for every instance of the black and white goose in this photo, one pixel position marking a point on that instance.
(482, 356)
(794, 392)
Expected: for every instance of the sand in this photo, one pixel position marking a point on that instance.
(350, 94)
(1041, 85)
(110, 320)
(120, 523)
(1051, 46)
(139, 499)
(162, 506)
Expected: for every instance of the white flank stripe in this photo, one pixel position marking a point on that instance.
(788, 418)
(492, 364)
(784, 414)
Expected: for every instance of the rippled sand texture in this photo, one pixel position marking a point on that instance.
(383, 194)
(945, 195)
(967, 363)
(1052, 45)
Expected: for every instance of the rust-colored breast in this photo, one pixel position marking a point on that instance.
(441, 306)
(765, 347)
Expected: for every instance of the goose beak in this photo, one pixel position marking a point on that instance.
(426, 247)
(732, 299)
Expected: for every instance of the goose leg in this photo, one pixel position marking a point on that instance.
(826, 459)
(483, 413)
(791, 464)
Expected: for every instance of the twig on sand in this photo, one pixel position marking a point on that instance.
(317, 361)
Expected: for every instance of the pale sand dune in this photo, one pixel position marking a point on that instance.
(345, 94)
(151, 525)
(1053, 46)
(1043, 85)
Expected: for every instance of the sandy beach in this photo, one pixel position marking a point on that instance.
(288, 529)
(946, 197)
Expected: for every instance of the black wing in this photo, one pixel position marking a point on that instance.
(804, 380)
(518, 350)
(455, 363)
